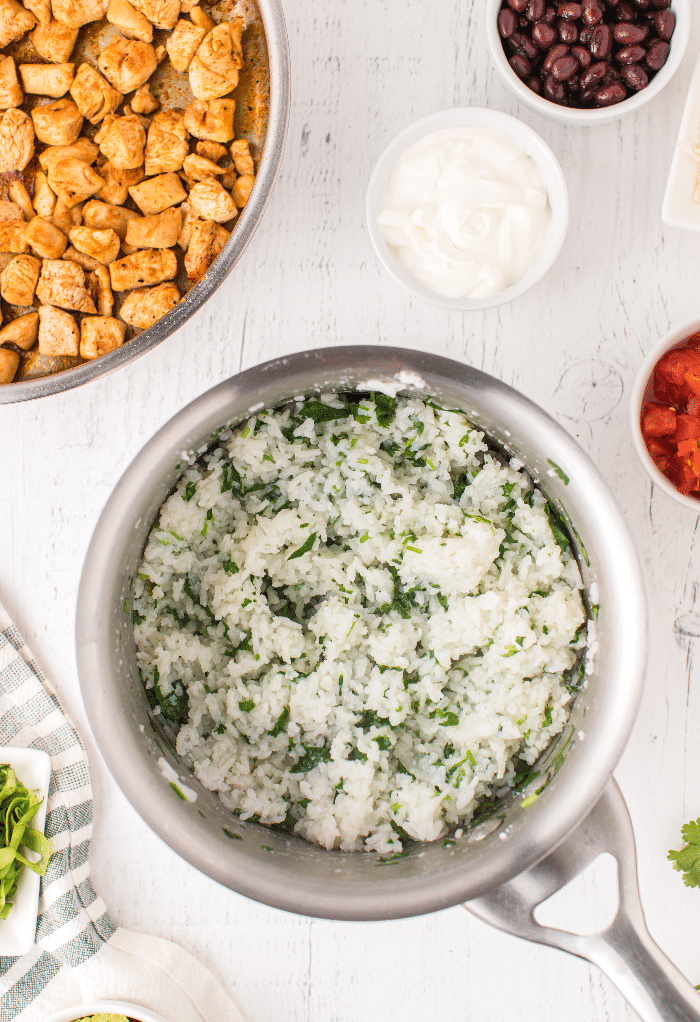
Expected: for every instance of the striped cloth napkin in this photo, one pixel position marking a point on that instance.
(80, 955)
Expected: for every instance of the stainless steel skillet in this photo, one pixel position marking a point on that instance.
(539, 837)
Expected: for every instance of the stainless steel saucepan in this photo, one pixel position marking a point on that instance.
(503, 867)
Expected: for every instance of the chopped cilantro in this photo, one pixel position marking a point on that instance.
(313, 755)
(304, 548)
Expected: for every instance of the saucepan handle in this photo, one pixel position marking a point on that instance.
(624, 951)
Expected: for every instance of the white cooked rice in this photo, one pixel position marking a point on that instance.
(404, 667)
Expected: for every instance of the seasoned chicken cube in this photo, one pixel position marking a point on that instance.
(198, 168)
(199, 18)
(20, 196)
(117, 183)
(167, 145)
(144, 307)
(214, 68)
(188, 220)
(62, 283)
(123, 142)
(105, 216)
(142, 102)
(213, 151)
(79, 12)
(212, 121)
(182, 43)
(240, 154)
(73, 180)
(161, 13)
(57, 124)
(94, 96)
(13, 238)
(54, 41)
(10, 212)
(19, 280)
(158, 193)
(45, 238)
(159, 231)
(127, 63)
(99, 335)
(58, 332)
(47, 79)
(16, 140)
(22, 332)
(41, 9)
(130, 22)
(100, 245)
(100, 288)
(15, 21)
(242, 189)
(44, 196)
(207, 241)
(65, 217)
(82, 149)
(211, 202)
(88, 262)
(9, 364)
(10, 90)
(151, 266)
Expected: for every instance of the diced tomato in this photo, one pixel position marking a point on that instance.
(693, 405)
(687, 427)
(692, 379)
(658, 448)
(658, 421)
(675, 364)
(686, 480)
(694, 342)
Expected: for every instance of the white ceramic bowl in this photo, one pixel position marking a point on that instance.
(513, 129)
(567, 114)
(640, 391)
(134, 1011)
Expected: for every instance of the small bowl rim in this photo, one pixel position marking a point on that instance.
(128, 1008)
(602, 115)
(673, 339)
(501, 123)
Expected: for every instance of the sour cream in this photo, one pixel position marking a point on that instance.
(465, 211)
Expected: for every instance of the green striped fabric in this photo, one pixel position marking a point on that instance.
(73, 922)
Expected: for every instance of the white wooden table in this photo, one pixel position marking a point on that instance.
(363, 70)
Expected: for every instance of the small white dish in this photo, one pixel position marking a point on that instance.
(604, 115)
(679, 209)
(17, 932)
(81, 1011)
(523, 136)
(641, 391)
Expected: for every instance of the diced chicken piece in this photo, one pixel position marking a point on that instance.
(82, 149)
(88, 262)
(127, 63)
(117, 183)
(206, 243)
(242, 189)
(161, 54)
(10, 213)
(45, 238)
(100, 335)
(130, 22)
(123, 142)
(240, 154)
(198, 168)
(142, 102)
(79, 12)
(57, 124)
(100, 288)
(41, 9)
(95, 97)
(100, 245)
(229, 178)
(13, 238)
(158, 193)
(16, 140)
(211, 202)
(105, 216)
(73, 180)
(54, 41)
(161, 13)
(47, 79)
(212, 121)
(151, 266)
(62, 283)
(167, 144)
(182, 43)
(22, 331)
(188, 220)
(213, 151)
(9, 364)
(15, 21)
(214, 68)
(199, 18)
(144, 307)
(186, 6)
(159, 231)
(19, 280)
(44, 197)
(20, 196)
(58, 332)
(10, 91)
(65, 217)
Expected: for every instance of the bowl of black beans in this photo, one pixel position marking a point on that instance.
(590, 61)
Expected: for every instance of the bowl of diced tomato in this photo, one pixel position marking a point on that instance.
(665, 414)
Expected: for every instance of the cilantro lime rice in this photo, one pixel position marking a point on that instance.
(361, 619)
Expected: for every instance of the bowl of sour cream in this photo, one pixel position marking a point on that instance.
(467, 208)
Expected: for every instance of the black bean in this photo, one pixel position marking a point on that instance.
(535, 9)
(543, 35)
(601, 42)
(564, 68)
(554, 90)
(665, 22)
(629, 35)
(535, 84)
(507, 22)
(570, 11)
(521, 65)
(592, 12)
(630, 55)
(583, 56)
(610, 94)
(560, 50)
(594, 75)
(625, 12)
(517, 5)
(657, 54)
(568, 32)
(634, 76)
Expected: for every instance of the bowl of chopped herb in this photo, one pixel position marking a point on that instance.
(107, 1011)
